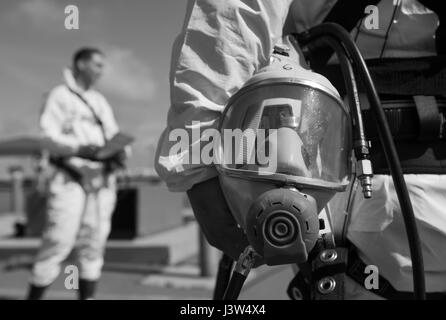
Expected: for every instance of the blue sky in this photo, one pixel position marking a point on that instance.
(136, 36)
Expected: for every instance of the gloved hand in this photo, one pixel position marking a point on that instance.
(215, 219)
(120, 158)
(88, 152)
(117, 161)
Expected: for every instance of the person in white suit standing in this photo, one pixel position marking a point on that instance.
(75, 122)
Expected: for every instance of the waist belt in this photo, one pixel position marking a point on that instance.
(419, 131)
(407, 87)
(356, 269)
(410, 118)
(73, 173)
(62, 165)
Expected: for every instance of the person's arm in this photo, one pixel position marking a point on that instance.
(221, 45)
(52, 122)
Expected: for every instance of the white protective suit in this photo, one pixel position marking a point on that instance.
(223, 43)
(75, 212)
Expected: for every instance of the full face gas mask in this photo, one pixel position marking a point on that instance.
(285, 151)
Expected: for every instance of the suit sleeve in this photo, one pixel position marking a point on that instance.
(221, 45)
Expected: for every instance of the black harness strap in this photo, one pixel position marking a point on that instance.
(95, 115)
(109, 166)
(60, 162)
(322, 277)
(429, 118)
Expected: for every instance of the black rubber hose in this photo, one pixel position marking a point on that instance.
(235, 286)
(223, 276)
(337, 32)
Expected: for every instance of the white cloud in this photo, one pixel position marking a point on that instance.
(127, 76)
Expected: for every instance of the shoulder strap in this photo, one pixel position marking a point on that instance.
(95, 115)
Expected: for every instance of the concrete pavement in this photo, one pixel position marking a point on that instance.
(179, 283)
(161, 266)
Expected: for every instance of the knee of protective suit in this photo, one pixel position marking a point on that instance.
(44, 273)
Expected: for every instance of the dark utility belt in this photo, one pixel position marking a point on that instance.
(412, 93)
(419, 132)
(417, 118)
(61, 164)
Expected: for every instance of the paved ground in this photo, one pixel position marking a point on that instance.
(179, 282)
(113, 286)
(129, 274)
